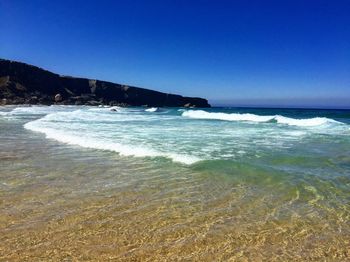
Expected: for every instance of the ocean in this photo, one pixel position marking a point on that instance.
(155, 184)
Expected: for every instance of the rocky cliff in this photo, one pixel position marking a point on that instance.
(21, 83)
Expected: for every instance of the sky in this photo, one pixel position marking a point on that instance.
(239, 53)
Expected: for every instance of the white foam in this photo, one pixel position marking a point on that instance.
(117, 108)
(106, 109)
(100, 144)
(134, 132)
(152, 109)
(309, 122)
(36, 110)
(316, 121)
(200, 114)
(98, 109)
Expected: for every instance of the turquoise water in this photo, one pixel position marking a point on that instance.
(242, 181)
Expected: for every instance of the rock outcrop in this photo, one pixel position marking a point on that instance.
(21, 83)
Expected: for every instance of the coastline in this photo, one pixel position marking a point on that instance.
(21, 83)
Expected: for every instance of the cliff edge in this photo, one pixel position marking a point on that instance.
(21, 83)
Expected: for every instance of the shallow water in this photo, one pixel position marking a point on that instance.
(83, 183)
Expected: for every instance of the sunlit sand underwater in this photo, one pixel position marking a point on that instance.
(84, 183)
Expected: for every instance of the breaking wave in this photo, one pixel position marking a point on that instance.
(152, 109)
(309, 122)
(100, 143)
(36, 110)
(167, 133)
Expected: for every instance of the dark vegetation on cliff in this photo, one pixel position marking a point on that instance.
(21, 83)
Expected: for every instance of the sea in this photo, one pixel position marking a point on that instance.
(174, 184)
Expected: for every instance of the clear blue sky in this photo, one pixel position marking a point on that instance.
(231, 52)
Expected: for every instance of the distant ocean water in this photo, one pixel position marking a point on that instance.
(242, 180)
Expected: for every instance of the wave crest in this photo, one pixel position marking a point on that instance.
(308, 122)
(86, 141)
(152, 109)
